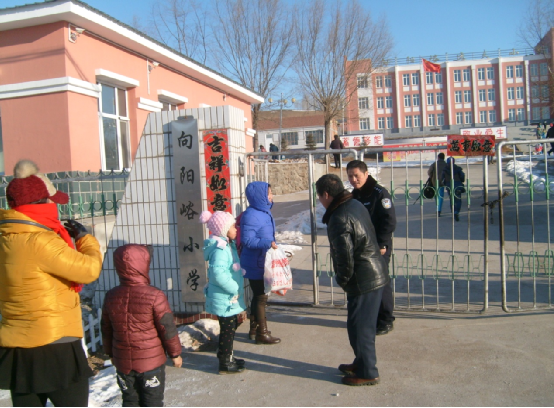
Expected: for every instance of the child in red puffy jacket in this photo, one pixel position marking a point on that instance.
(138, 329)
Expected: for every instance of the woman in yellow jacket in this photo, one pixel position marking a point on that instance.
(41, 275)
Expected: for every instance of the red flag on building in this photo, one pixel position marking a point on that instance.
(430, 67)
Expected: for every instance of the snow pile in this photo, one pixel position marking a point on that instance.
(103, 389)
(200, 334)
(523, 171)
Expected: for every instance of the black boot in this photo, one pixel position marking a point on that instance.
(263, 336)
(228, 365)
(253, 327)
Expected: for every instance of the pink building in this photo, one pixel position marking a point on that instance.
(470, 91)
(76, 86)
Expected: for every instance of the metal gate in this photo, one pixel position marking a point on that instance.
(527, 259)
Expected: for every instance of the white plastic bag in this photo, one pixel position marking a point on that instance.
(277, 273)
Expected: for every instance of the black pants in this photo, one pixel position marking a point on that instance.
(74, 396)
(387, 302)
(227, 329)
(143, 389)
(258, 289)
(362, 326)
(337, 160)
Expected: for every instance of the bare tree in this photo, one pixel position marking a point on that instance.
(253, 40)
(182, 25)
(327, 35)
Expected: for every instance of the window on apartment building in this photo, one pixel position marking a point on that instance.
(519, 92)
(510, 71)
(388, 81)
(483, 116)
(490, 72)
(431, 119)
(317, 135)
(406, 79)
(467, 96)
(545, 112)
(429, 78)
(379, 82)
(468, 117)
(380, 102)
(363, 103)
(481, 74)
(430, 99)
(407, 101)
(534, 69)
(543, 68)
(438, 78)
(2, 167)
(544, 91)
(291, 138)
(362, 81)
(115, 128)
(439, 98)
(458, 96)
(492, 116)
(519, 71)
(511, 115)
(467, 75)
(457, 75)
(510, 93)
(482, 95)
(408, 121)
(417, 120)
(490, 93)
(536, 113)
(534, 91)
(440, 119)
(415, 78)
(520, 114)
(380, 123)
(388, 101)
(390, 122)
(364, 123)
(459, 118)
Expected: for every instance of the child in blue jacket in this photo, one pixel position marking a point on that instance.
(225, 289)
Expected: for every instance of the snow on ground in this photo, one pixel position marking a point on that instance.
(524, 169)
(202, 332)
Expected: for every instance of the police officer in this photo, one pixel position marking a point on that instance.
(378, 202)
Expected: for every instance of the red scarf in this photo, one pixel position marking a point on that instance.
(47, 215)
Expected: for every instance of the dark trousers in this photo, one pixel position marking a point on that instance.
(74, 396)
(387, 301)
(362, 326)
(227, 329)
(258, 289)
(337, 159)
(143, 389)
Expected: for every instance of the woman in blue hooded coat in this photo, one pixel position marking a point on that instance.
(257, 235)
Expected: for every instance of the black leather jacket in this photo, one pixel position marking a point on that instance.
(357, 261)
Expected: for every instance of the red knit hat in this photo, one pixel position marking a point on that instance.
(29, 186)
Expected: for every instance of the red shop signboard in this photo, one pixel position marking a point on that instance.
(470, 145)
(216, 153)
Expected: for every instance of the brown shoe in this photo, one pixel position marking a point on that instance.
(349, 369)
(359, 381)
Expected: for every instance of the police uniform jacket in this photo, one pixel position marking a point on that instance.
(378, 202)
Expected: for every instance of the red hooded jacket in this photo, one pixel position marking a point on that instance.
(137, 323)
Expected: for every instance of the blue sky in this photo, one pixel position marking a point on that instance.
(419, 27)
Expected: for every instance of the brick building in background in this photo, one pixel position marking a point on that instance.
(476, 90)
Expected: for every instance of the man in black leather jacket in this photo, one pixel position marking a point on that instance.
(360, 270)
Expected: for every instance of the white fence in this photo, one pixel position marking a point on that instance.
(92, 332)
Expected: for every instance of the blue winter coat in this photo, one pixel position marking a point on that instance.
(224, 283)
(257, 230)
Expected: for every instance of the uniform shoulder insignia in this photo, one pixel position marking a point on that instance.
(386, 203)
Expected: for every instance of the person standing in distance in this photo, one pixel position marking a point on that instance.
(378, 202)
(361, 272)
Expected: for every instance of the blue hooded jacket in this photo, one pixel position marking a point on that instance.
(257, 230)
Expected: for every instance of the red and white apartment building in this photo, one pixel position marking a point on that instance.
(478, 90)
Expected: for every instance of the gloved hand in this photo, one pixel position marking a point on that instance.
(76, 230)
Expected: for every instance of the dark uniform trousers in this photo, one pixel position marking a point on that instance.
(143, 389)
(387, 302)
(361, 325)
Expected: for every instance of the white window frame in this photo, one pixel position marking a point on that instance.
(122, 160)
